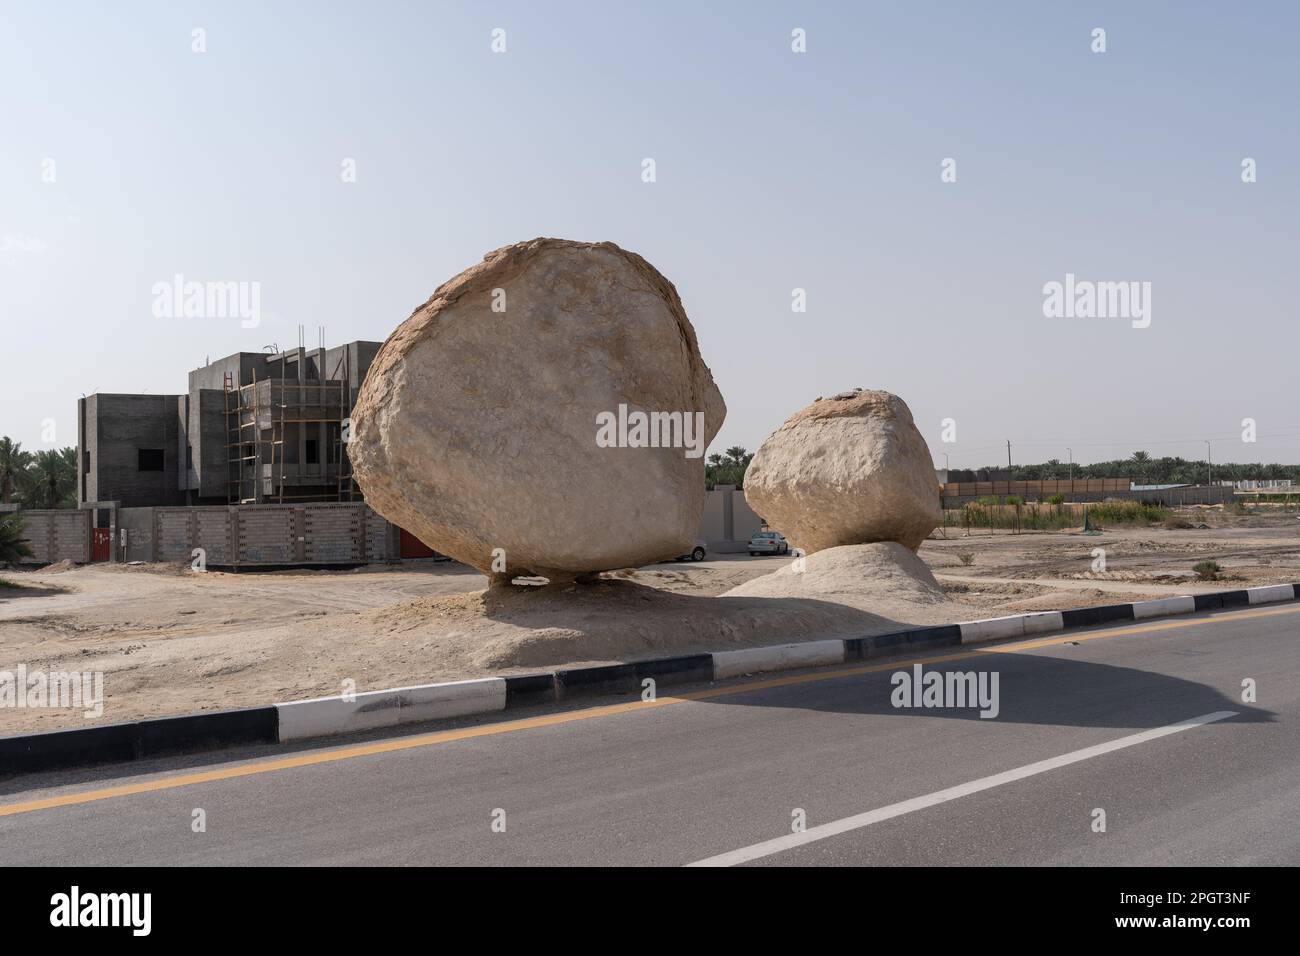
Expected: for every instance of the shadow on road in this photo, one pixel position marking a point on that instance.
(1027, 689)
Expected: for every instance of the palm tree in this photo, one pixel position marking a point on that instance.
(51, 481)
(14, 463)
(13, 546)
(733, 466)
(1141, 459)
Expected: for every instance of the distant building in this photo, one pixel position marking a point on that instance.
(252, 428)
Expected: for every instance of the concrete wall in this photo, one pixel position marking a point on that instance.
(138, 525)
(182, 448)
(351, 361)
(744, 521)
(115, 429)
(713, 521)
(87, 448)
(206, 421)
(727, 522)
(1188, 495)
(253, 535)
(1032, 490)
(57, 535)
(210, 473)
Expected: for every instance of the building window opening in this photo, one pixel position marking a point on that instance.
(149, 459)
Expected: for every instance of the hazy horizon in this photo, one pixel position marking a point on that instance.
(775, 171)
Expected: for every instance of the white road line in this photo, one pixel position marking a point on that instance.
(825, 830)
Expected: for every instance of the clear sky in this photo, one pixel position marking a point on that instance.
(775, 170)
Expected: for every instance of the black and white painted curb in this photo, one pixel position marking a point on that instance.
(112, 743)
(330, 716)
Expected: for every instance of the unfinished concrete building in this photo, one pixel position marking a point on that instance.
(131, 449)
(253, 428)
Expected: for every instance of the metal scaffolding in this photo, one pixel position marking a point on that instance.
(267, 448)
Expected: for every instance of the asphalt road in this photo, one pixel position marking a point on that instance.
(1088, 720)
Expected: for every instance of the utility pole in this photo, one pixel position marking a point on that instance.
(1071, 451)
(1209, 471)
(1008, 454)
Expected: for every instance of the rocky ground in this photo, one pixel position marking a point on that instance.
(171, 641)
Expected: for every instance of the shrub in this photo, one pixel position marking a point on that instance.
(13, 546)
(1056, 499)
(967, 557)
(1207, 570)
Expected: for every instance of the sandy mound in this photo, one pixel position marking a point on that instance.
(614, 619)
(884, 578)
(850, 591)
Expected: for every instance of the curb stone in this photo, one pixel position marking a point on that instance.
(112, 743)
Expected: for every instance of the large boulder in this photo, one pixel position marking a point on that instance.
(502, 423)
(850, 469)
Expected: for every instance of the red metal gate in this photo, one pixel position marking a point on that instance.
(413, 547)
(101, 543)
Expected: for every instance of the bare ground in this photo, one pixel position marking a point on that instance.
(171, 641)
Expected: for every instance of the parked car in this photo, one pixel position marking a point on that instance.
(768, 542)
(697, 553)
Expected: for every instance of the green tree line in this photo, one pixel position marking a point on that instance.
(728, 468)
(1140, 467)
(43, 479)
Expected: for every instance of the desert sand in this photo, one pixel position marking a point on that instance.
(170, 641)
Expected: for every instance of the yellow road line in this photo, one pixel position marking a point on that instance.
(333, 755)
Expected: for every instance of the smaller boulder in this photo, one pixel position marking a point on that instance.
(849, 469)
